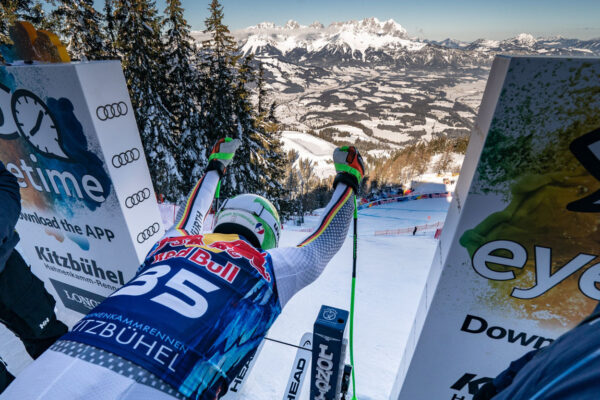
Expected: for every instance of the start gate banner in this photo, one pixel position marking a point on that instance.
(518, 262)
(89, 212)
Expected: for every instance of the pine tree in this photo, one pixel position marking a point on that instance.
(179, 57)
(219, 62)
(16, 10)
(23, 10)
(261, 88)
(182, 95)
(271, 114)
(218, 101)
(228, 110)
(139, 42)
(290, 184)
(110, 30)
(8, 16)
(37, 16)
(245, 173)
(82, 29)
(270, 134)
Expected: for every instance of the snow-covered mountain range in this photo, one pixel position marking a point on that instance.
(369, 82)
(388, 43)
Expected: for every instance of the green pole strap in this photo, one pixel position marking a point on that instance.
(346, 168)
(218, 192)
(354, 247)
(221, 156)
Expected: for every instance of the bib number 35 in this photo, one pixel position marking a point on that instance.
(191, 304)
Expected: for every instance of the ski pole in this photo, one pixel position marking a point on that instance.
(217, 196)
(354, 248)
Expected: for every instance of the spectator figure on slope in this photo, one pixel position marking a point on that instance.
(200, 304)
(26, 308)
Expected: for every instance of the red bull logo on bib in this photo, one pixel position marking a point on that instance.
(230, 244)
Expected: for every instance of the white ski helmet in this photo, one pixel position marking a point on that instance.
(251, 216)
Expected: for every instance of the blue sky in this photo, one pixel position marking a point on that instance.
(430, 19)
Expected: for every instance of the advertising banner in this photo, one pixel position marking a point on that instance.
(518, 262)
(400, 199)
(89, 212)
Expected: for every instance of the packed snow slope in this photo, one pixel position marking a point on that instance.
(310, 147)
(391, 275)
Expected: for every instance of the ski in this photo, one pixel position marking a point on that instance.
(299, 367)
(235, 388)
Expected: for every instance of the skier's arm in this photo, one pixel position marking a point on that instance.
(297, 267)
(190, 217)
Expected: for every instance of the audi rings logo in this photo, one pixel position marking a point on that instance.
(148, 232)
(110, 111)
(125, 158)
(137, 198)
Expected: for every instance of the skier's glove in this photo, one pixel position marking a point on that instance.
(349, 166)
(222, 155)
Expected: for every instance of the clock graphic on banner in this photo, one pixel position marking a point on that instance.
(36, 124)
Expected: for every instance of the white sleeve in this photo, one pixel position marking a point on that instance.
(297, 267)
(191, 215)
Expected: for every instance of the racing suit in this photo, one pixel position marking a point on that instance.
(195, 312)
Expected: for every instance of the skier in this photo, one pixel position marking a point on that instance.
(26, 308)
(200, 304)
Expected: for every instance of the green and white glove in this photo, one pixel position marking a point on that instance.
(349, 166)
(222, 155)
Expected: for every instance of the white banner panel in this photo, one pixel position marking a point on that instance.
(89, 212)
(517, 264)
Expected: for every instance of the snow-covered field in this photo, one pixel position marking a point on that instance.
(315, 149)
(391, 275)
(469, 91)
(390, 107)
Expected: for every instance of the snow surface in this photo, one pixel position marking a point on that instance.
(313, 148)
(391, 276)
(468, 93)
(354, 132)
(390, 280)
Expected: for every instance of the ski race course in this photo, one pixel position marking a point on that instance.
(391, 275)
